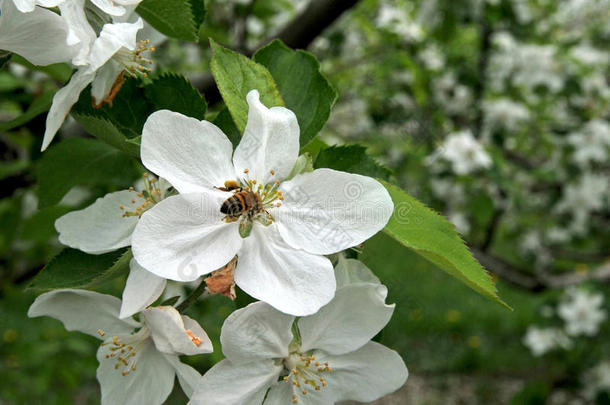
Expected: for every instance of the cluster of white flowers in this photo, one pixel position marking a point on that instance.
(582, 313)
(463, 152)
(397, 20)
(256, 211)
(98, 37)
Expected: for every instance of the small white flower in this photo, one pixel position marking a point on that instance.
(332, 359)
(505, 113)
(592, 144)
(102, 61)
(107, 225)
(543, 340)
(582, 312)
(27, 6)
(464, 153)
(39, 36)
(138, 360)
(597, 379)
(291, 223)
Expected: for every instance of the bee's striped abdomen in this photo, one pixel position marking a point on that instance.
(234, 205)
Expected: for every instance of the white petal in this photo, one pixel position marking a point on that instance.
(141, 289)
(188, 377)
(108, 7)
(183, 237)
(39, 36)
(230, 384)
(80, 33)
(24, 6)
(100, 227)
(104, 80)
(291, 280)
(356, 314)
(364, 375)
(150, 384)
(84, 311)
(63, 101)
(192, 155)
(112, 38)
(326, 211)
(351, 271)
(282, 394)
(257, 331)
(270, 141)
(175, 334)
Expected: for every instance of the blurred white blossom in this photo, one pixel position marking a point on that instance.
(543, 340)
(582, 312)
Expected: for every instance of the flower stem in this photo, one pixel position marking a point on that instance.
(200, 291)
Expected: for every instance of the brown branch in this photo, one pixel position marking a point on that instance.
(540, 281)
(298, 33)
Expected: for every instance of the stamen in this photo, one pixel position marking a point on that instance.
(194, 338)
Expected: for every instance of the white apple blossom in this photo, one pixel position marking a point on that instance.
(504, 113)
(27, 6)
(591, 144)
(39, 36)
(318, 359)
(543, 340)
(107, 225)
(280, 241)
(138, 360)
(102, 60)
(464, 152)
(580, 199)
(582, 311)
(597, 379)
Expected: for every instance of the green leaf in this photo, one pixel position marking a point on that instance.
(351, 159)
(235, 76)
(224, 121)
(198, 9)
(4, 58)
(40, 227)
(433, 237)
(129, 111)
(301, 84)
(39, 105)
(175, 93)
(174, 18)
(81, 161)
(104, 130)
(75, 269)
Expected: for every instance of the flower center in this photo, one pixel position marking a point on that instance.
(125, 351)
(250, 201)
(151, 194)
(303, 371)
(134, 61)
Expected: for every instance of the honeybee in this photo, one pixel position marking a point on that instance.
(244, 201)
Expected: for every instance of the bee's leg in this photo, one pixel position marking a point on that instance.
(229, 219)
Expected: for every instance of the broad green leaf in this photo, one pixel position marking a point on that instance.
(75, 269)
(13, 167)
(39, 105)
(224, 121)
(301, 84)
(58, 71)
(81, 161)
(198, 9)
(235, 76)
(40, 227)
(129, 110)
(352, 159)
(433, 237)
(175, 93)
(4, 58)
(122, 122)
(174, 18)
(104, 130)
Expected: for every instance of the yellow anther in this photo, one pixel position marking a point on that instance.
(246, 171)
(272, 172)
